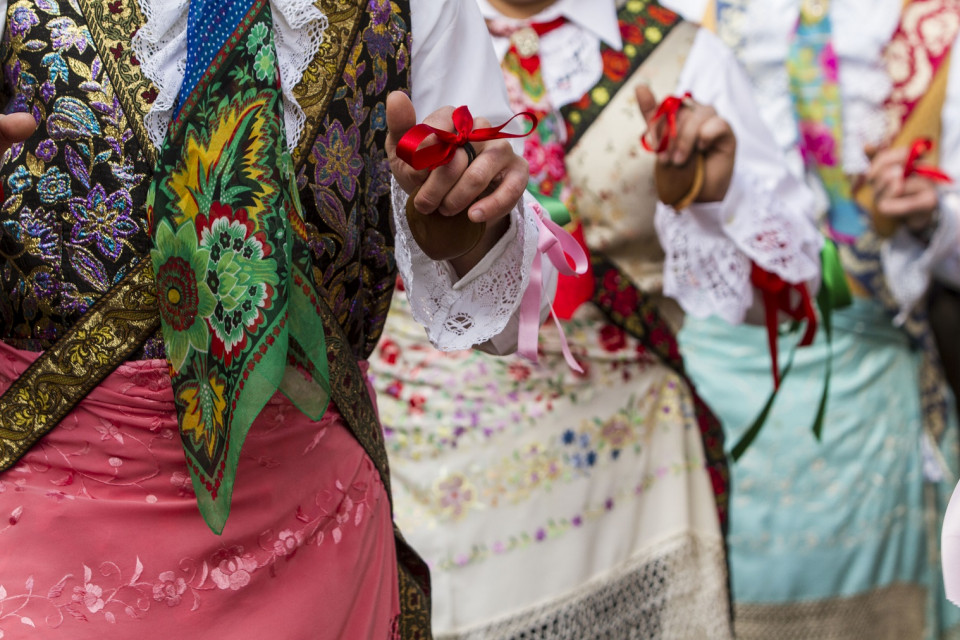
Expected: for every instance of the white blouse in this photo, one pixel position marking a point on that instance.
(861, 29)
(452, 63)
(764, 197)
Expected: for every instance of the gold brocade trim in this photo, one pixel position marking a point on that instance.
(348, 390)
(112, 26)
(316, 88)
(895, 612)
(414, 577)
(106, 336)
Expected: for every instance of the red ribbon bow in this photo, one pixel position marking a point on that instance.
(778, 297)
(668, 109)
(920, 147)
(439, 154)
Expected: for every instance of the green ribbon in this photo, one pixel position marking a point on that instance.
(834, 294)
(554, 207)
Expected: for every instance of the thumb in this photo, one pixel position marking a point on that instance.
(401, 116)
(16, 127)
(647, 101)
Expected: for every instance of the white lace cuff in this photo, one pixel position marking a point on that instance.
(483, 304)
(909, 264)
(709, 247)
(161, 47)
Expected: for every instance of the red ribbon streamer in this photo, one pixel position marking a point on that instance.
(918, 149)
(778, 297)
(668, 109)
(439, 154)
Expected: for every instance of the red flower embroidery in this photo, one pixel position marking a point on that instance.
(631, 33)
(416, 404)
(389, 351)
(616, 65)
(612, 338)
(582, 103)
(662, 15)
(518, 371)
(625, 302)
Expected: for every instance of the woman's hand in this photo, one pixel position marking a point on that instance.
(913, 199)
(489, 188)
(699, 128)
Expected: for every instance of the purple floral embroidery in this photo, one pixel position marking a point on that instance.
(378, 173)
(378, 38)
(66, 34)
(22, 19)
(104, 220)
(47, 150)
(40, 233)
(338, 159)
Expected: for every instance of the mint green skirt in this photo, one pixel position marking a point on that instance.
(838, 538)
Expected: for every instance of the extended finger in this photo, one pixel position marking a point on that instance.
(401, 117)
(647, 102)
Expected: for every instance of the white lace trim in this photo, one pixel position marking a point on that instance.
(462, 314)
(710, 247)
(676, 589)
(161, 47)
(909, 264)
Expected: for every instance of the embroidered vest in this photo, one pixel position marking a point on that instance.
(610, 176)
(73, 222)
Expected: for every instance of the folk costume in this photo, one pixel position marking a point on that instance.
(556, 504)
(839, 538)
(198, 256)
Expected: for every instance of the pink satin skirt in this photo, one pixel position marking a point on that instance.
(101, 538)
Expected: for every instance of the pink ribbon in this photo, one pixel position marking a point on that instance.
(560, 248)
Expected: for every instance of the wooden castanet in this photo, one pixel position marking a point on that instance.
(443, 237)
(679, 186)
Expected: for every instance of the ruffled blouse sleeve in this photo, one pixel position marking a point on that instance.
(453, 63)
(767, 216)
